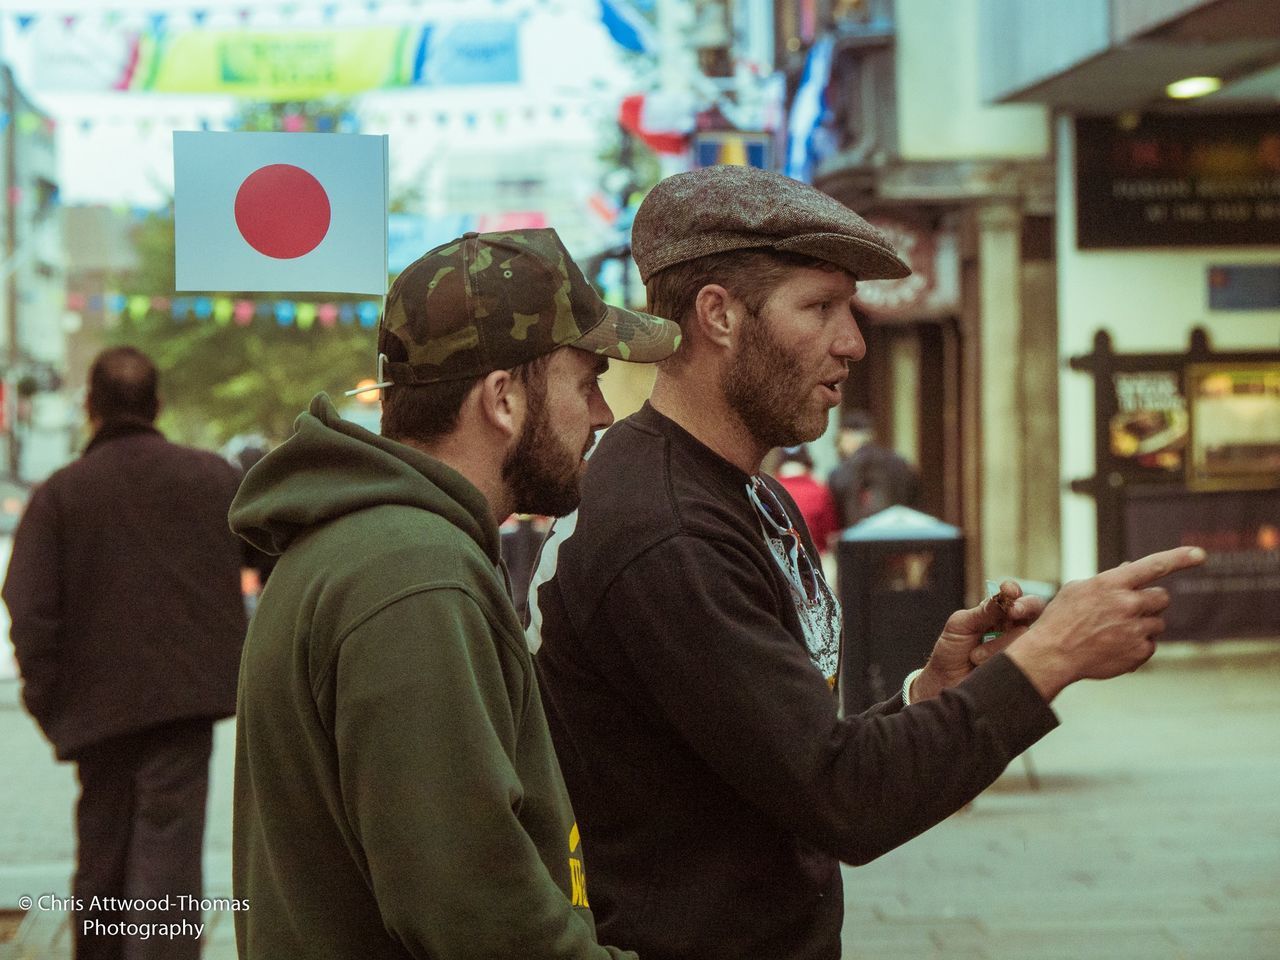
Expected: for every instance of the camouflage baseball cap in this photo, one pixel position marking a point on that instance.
(492, 301)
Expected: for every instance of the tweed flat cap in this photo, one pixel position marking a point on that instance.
(722, 208)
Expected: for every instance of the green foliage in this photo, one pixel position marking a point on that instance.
(220, 380)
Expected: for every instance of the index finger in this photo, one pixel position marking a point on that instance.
(1153, 566)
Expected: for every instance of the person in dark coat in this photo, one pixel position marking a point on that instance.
(127, 623)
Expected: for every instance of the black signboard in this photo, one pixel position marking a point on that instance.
(1174, 427)
(1203, 180)
(1236, 593)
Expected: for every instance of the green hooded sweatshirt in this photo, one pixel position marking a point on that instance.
(396, 791)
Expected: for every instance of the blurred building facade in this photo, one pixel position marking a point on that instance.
(952, 125)
(38, 427)
(1160, 202)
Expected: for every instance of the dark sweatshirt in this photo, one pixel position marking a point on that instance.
(716, 786)
(396, 791)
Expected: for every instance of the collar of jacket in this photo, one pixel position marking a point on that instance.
(122, 427)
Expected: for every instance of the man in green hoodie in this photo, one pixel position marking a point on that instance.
(396, 790)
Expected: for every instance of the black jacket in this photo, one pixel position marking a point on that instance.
(715, 784)
(124, 590)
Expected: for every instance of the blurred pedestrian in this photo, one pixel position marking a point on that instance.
(812, 498)
(690, 642)
(124, 591)
(396, 792)
(869, 477)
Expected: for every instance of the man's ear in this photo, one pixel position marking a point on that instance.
(717, 314)
(500, 401)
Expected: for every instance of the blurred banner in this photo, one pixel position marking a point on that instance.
(278, 66)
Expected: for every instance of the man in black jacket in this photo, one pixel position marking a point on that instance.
(127, 622)
(689, 641)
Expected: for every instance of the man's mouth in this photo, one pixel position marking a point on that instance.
(832, 387)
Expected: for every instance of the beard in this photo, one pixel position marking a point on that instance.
(541, 471)
(765, 385)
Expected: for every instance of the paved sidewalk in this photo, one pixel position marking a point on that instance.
(1154, 834)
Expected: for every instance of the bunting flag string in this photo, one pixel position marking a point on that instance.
(221, 16)
(228, 311)
(541, 115)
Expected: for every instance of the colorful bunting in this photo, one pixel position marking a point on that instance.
(224, 311)
(296, 122)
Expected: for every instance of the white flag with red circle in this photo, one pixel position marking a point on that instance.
(280, 211)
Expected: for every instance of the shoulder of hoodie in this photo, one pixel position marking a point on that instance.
(392, 549)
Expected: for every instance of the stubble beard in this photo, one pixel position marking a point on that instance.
(763, 385)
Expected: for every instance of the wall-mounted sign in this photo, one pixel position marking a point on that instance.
(918, 250)
(1149, 428)
(1235, 426)
(1178, 181)
(1190, 427)
(1251, 287)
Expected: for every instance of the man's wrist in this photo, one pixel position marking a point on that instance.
(1040, 664)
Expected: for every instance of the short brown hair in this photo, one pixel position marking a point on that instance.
(426, 412)
(749, 274)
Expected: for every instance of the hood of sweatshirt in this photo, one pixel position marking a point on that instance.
(331, 467)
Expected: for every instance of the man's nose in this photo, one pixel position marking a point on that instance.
(849, 343)
(601, 413)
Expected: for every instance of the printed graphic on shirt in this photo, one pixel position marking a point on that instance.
(577, 872)
(816, 607)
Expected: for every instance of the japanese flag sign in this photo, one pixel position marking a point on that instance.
(280, 211)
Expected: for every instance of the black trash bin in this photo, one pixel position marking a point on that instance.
(900, 574)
